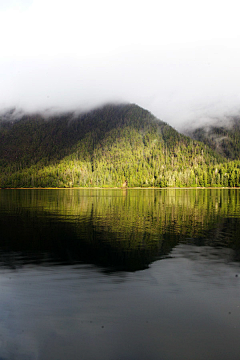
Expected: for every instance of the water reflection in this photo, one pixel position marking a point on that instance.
(175, 294)
(115, 229)
(174, 310)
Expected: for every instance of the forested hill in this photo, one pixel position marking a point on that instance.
(106, 147)
(224, 138)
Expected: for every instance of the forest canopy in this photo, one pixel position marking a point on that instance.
(109, 147)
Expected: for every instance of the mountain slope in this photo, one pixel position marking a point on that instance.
(106, 147)
(224, 139)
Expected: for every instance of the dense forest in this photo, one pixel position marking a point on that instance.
(113, 146)
(224, 138)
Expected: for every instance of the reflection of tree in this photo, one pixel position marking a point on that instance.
(117, 228)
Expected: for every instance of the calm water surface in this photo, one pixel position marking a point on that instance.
(120, 274)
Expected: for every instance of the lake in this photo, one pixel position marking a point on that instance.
(122, 274)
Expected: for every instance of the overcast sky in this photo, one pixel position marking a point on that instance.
(178, 59)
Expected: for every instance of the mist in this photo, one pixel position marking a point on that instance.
(178, 61)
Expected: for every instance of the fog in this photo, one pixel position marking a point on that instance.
(178, 60)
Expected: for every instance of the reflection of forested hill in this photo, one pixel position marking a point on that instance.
(104, 148)
(118, 229)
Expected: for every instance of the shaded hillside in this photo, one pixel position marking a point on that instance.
(225, 140)
(105, 147)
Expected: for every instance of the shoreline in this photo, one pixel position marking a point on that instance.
(121, 188)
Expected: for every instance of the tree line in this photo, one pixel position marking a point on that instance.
(107, 148)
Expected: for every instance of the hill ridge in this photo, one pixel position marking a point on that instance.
(106, 147)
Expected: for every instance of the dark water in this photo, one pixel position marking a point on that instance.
(120, 274)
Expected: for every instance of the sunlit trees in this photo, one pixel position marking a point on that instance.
(106, 147)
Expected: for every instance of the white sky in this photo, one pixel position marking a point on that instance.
(178, 59)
